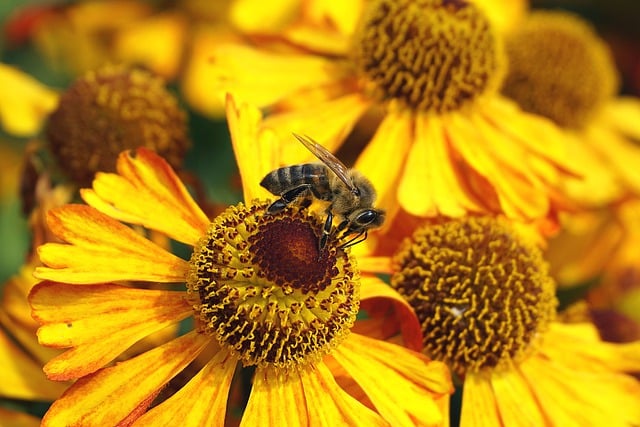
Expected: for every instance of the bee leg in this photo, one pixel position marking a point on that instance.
(355, 240)
(287, 197)
(326, 231)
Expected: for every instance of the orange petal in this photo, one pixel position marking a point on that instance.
(111, 394)
(378, 299)
(99, 322)
(411, 380)
(103, 250)
(479, 406)
(326, 121)
(202, 402)
(22, 378)
(17, 419)
(148, 192)
(256, 149)
(243, 71)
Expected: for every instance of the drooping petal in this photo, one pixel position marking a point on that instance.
(255, 148)
(99, 322)
(202, 402)
(623, 114)
(148, 192)
(22, 378)
(263, 78)
(326, 121)
(415, 380)
(479, 406)
(110, 395)
(380, 302)
(101, 250)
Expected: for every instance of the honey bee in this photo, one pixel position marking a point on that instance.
(349, 193)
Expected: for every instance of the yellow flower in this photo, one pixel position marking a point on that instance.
(561, 69)
(258, 289)
(487, 308)
(24, 102)
(447, 143)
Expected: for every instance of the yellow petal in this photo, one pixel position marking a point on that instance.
(479, 406)
(378, 299)
(327, 121)
(99, 322)
(26, 336)
(103, 250)
(256, 149)
(375, 264)
(22, 378)
(202, 402)
(243, 72)
(148, 192)
(516, 404)
(271, 386)
(383, 160)
(623, 113)
(157, 43)
(24, 102)
(338, 14)
(258, 16)
(430, 185)
(328, 405)
(571, 396)
(111, 394)
(414, 379)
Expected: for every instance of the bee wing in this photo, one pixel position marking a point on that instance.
(328, 159)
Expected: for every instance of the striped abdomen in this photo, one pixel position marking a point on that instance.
(286, 178)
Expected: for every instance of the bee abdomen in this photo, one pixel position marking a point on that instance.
(285, 178)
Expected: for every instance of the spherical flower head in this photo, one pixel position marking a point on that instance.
(110, 110)
(261, 286)
(430, 55)
(559, 68)
(481, 291)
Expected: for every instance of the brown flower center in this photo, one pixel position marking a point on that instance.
(559, 68)
(431, 55)
(108, 111)
(480, 290)
(260, 285)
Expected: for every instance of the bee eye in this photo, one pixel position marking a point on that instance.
(366, 217)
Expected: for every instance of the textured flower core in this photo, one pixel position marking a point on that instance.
(432, 55)
(260, 285)
(559, 68)
(479, 289)
(110, 110)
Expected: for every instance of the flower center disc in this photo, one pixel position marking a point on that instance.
(559, 68)
(431, 55)
(480, 291)
(260, 285)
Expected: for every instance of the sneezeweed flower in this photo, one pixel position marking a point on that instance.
(260, 293)
(448, 143)
(487, 306)
(561, 69)
(109, 110)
